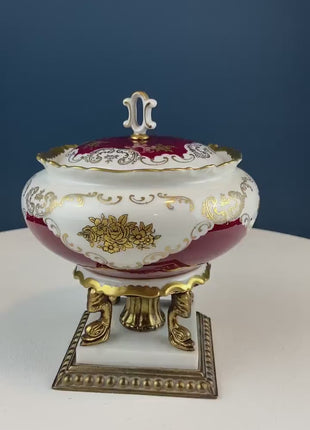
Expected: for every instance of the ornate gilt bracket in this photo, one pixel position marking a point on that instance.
(142, 309)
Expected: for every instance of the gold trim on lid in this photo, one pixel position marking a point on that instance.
(140, 137)
(45, 158)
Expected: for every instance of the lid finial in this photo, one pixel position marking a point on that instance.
(139, 130)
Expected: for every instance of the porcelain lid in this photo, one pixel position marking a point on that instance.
(140, 152)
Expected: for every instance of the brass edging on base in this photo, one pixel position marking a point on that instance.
(199, 383)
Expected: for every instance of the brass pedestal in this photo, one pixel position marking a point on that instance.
(200, 382)
(142, 312)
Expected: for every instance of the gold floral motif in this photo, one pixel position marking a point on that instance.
(228, 207)
(171, 200)
(114, 235)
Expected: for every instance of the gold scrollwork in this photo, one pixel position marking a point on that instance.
(26, 187)
(228, 207)
(96, 257)
(155, 256)
(126, 267)
(245, 219)
(201, 229)
(150, 148)
(41, 204)
(174, 287)
(52, 226)
(164, 160)
(38, 202)
(64, 239)
(184, 159)
(109, 200)
(142, 200)
(171, 200)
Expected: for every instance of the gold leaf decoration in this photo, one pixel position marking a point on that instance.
(172, 200)
(228, 207)
(113, 234)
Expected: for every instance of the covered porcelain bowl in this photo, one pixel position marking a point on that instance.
(140, 206)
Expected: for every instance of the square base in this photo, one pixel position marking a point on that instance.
(195, 377)
(197, 382)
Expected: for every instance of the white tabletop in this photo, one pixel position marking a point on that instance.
(258, 299)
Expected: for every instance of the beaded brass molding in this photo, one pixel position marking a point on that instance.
(143, 290)
(199, 383)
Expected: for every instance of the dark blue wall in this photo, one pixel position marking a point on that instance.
(241, 67)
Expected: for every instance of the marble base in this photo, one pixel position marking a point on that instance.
(147, 349)
(152, 367)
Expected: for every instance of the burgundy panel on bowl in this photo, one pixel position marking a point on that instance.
(217, 241)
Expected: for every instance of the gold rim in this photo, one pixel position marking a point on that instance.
(143, 290)
(45, 158)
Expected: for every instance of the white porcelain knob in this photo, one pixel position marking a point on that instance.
(139, 130)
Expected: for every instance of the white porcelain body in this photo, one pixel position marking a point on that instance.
(180, 206)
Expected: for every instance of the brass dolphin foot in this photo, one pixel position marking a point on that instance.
(98, 331)
(180, 306)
